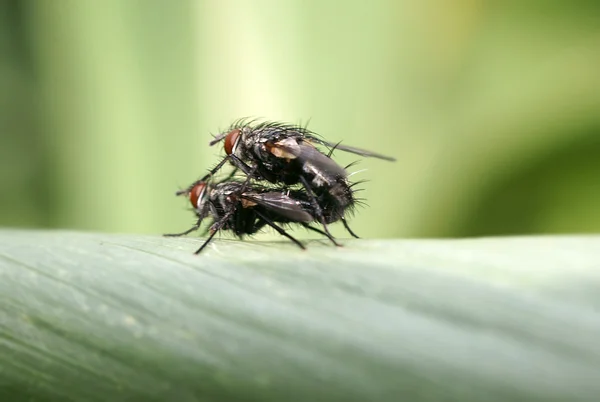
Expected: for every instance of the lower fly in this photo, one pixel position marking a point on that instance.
(245, 209)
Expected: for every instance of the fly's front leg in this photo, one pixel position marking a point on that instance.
(214, 228)
(190, 230)
(241, 165)
(206, 177)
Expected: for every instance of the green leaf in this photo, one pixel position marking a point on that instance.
(98, 317)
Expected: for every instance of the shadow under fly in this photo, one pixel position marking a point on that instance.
(286, 154)
(245, 208)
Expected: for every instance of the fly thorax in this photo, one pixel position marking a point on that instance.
(260, 150)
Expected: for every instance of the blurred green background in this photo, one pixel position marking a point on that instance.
(492, 108)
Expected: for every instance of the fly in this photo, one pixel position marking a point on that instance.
(286, 154)
(245, 209)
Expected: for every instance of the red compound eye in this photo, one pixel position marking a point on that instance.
(231, 140)
(196, 193)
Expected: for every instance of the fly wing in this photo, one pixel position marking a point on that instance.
(319, 163)
(281, 204)
(353, 150)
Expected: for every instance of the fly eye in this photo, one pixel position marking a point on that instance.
(197, 193)
(231, 141)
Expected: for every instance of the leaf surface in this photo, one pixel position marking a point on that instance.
(101, 317)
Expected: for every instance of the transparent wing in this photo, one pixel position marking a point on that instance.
(357, 151)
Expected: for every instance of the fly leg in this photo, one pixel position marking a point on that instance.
(238, 165)
(348, 227)
(241, 165)
(190, 230)
(212, 234)
(280, 230)
(208, 175)
(230, 175)
(306, 225)
(318, 210)
(215, 227)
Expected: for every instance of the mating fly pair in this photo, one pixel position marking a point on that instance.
(306, 184)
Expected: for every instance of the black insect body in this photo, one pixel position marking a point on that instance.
(339, 201)
(286, 154)
(334, 202)
(245, 209)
